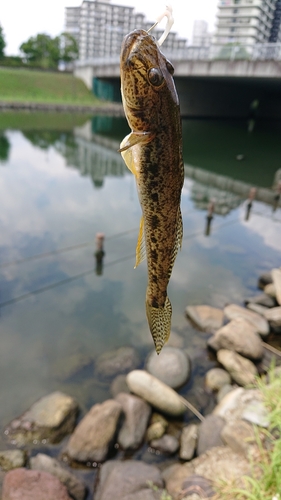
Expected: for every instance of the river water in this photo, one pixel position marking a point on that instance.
(63, 181)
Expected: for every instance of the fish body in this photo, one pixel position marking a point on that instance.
(153, 152)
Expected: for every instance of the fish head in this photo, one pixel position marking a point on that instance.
(146, 80)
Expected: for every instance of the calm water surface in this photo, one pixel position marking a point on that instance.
(59, 186)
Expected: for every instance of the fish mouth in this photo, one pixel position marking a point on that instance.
(131, 43)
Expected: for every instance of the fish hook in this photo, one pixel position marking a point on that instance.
(168, 13)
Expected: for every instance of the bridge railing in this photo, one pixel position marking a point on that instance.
(230, 52)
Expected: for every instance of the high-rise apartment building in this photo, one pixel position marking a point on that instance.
(248, 21)
(200, 34)
(99, 28)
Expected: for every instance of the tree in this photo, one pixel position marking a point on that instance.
(2, 43)
(42, 50)
(68, 48)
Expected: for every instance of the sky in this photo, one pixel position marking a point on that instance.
(21, 19)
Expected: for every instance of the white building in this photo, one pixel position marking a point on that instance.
(247, 21)
(200, 34)
(99, 27)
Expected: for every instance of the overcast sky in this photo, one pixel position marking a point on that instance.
(22, 19)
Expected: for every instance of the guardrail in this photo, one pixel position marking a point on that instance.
(230, 52)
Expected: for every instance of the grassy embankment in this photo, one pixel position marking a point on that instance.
(22, 85)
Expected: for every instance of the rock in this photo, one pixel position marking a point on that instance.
(50, 418)
(172, 367)
(233, 311)
(137, 413)
(12, 459)
(276, 276)
(72, 366)
(157, 427)
(74, 486)
(206, 318)
(223, 391)
(270, 290)
(116, 362)
(243, 404)
(257, 308)
(127, 480)
(217, 463)
(264, 279)
(93, 436)
(262, 299)
(155, 392)
(209, 433)
(273, 316)
(239, 335)
(216, 378)
(119, 384)
(166, 444)
(23, 484)
(241, 370)
(188, 441)
(240, 436)
(196, 486)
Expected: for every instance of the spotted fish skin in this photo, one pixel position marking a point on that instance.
(153, 152)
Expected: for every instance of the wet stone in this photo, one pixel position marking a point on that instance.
(239, 335)
(137, 413)
(188, 441)
(257, 308)
(273, 316)
(116, 362)
(262, 299)
(172, 367)
(241, 370)
(12, 459)
(223, 391)
(166, 444)
(264, 279)
(276, 276)
(50, 418)
(205, 317)
(209, 433)
(270, 290)
(157, 427)
(234, 311)
(23, 484)
(216, 378)
(240, 436)
(118, 385)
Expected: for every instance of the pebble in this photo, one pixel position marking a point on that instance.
(137, 413)
(116, 362)
(209, 433)
(43, 462)
(216, 378)
(205, 317)
(12, 459)
(262, 299)
(225, 389)
(50, 418)
(26, 484)
(155, 392)
(264, 279)
(257, 308)
(172, 367)
(188, 441)
(157, 427)
(241, 370)
(93, 435)
(239, 335)
(270, 290)
(119, 384)
(166, 444)
(273, 316)
(234, 311)
(240, 436)
(276, 276)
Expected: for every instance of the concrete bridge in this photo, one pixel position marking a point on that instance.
(215, 81)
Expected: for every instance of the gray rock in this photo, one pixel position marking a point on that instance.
(239, 335)
(234, 311)
(12, 459)
(118, 480)
(188, 442)
(216, 378)
(243, 404)
(209, 433)
(270, 290)
(273, 316)
(264, 279)
(257, 308)
(155, 392)
(276, 276)
(23, 484)
(72, 366)
(50, 418)
(93, 436)
(241, 370)
(223, 391)
(116, 362)
(166, 444)
(74, 486)
(262, 299)
(137, 413)
(240, 436)
(206, 318)
(219, 462)
(118, 385)
(172, 367)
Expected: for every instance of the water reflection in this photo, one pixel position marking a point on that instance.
(4, 148)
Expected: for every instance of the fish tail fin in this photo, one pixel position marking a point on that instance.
(159, 320)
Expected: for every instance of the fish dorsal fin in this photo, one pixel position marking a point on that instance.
(140, 249)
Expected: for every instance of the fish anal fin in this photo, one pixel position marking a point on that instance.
(159, 320)
(140, 249)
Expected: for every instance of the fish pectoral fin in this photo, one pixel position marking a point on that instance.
(140, 249)
(128, 158)
(135, 138)
(159, 320)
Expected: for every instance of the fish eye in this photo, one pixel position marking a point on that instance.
(170, 67)
(155, 77)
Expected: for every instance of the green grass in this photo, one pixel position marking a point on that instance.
(39, 120)
(265, 483)
(22, 85)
